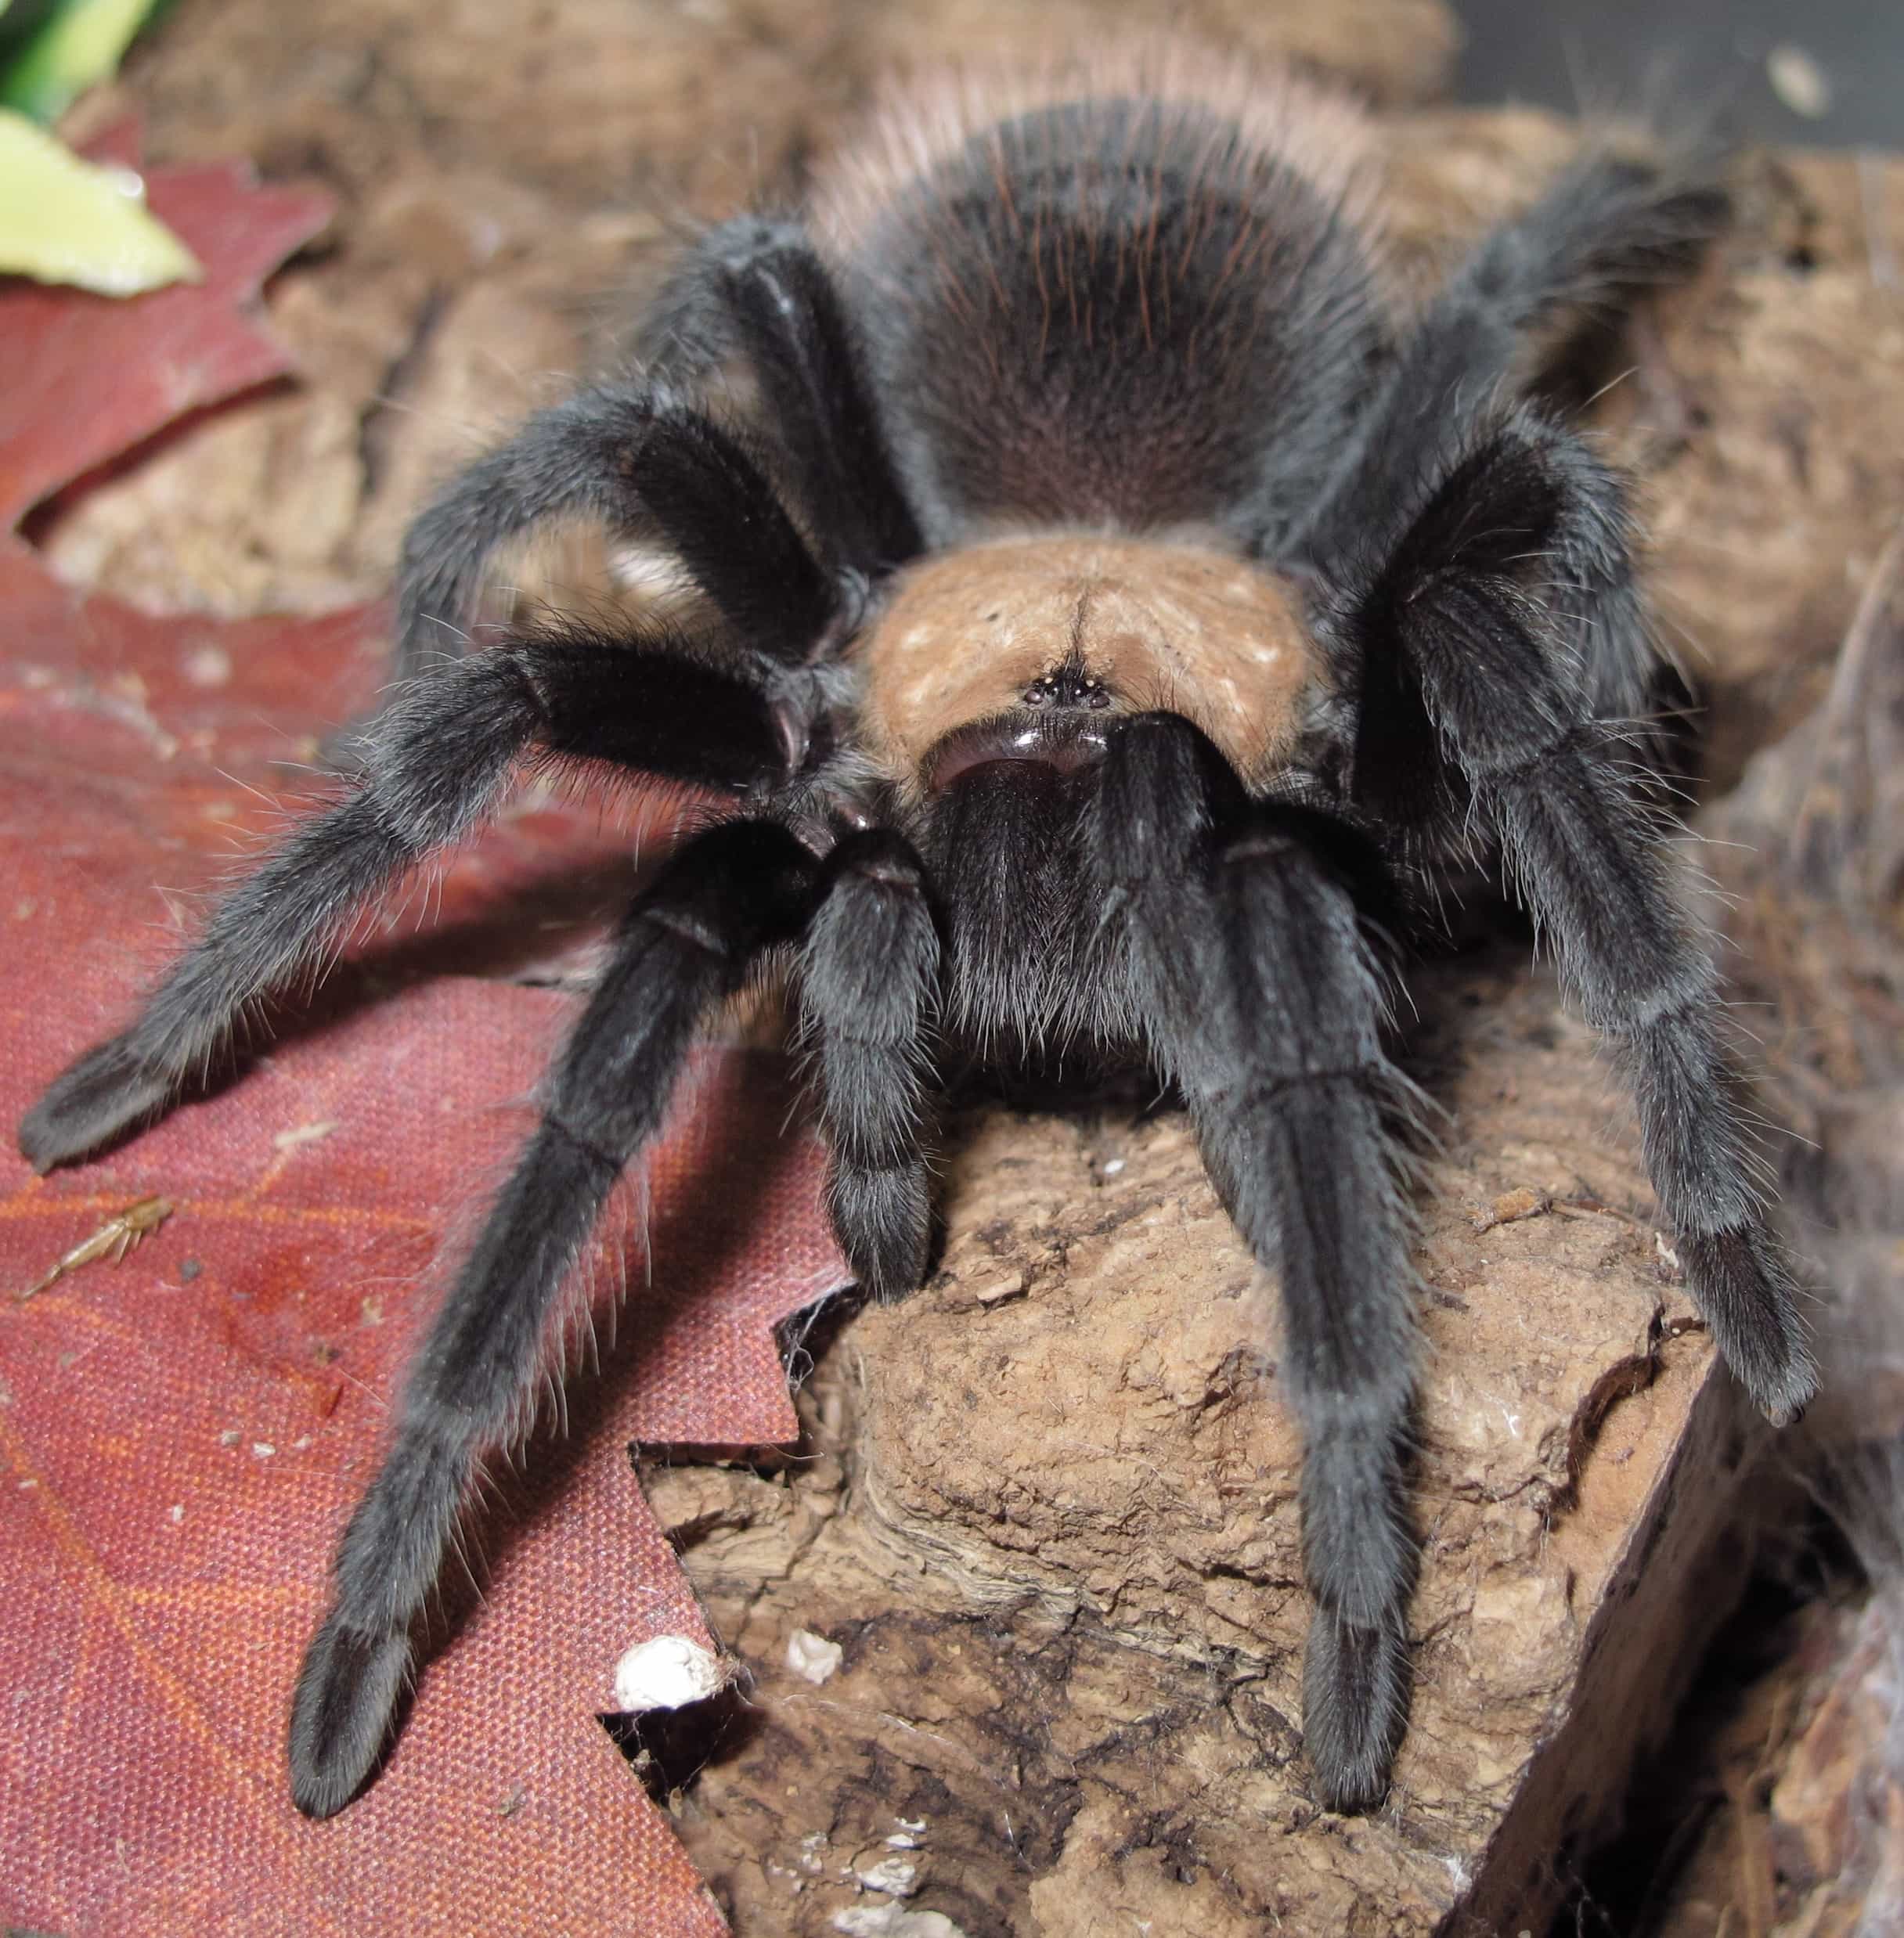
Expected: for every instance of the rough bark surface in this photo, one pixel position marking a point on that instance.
(1806, 1835)
(1050, 1526)
(1047, 1515)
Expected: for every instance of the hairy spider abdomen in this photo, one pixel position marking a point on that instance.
(1154, 266)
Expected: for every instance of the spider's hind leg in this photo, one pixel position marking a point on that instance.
(1244, 960)
(1620, 221)
(647, 463)
(690, 941)
(1452, 614)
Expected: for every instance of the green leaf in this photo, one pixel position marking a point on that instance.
(19, 24)
(79, 43)
(63, 220)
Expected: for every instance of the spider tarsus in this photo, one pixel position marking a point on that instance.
(92, 1104)
(1741, 1282)
(346, 1698)
(1355, 1707)
(883, 1220)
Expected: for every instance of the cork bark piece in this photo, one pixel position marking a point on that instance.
(1053, 1532)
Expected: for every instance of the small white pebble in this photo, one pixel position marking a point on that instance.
(665, 1674)
(230, 1437)
(263, 1449)
(176, 1514)
(894, 1921)
(813, 1656)
(893, 1875)
(1115, 1166)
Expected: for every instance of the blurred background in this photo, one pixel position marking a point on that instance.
(1831, 74)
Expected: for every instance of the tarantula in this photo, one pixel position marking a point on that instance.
(1110, 599)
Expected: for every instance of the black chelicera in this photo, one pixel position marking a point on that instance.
(1109, 598)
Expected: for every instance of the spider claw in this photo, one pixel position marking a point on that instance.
(92, 1102)
(883, 1221)
(1355, 1706)
(1742, 1284)
(346, 1696)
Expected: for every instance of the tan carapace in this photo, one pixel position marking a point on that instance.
(1154, 624)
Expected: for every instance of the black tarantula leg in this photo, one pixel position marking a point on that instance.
(1248, 970)
(756, 287)
(1614, 224)
(643, 463)
(436, 764)
(1522, 495)
(688, 942)
(1489, 655)
(869, 975)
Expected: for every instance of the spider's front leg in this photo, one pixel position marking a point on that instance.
(1242, 955)
(643, 459)
(689, 942)
(869, 977)
(436, 765)
(1466, 611)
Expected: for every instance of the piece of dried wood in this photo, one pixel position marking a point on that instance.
(1056, 1539)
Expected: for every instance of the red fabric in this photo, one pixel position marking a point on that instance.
(182, 1434)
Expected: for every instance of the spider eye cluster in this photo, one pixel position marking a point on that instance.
(1067, 686)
